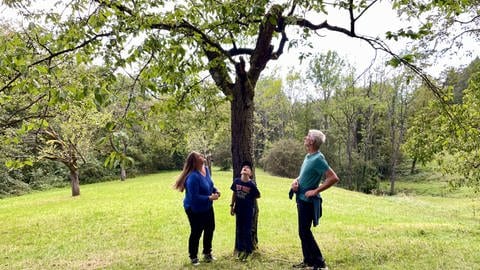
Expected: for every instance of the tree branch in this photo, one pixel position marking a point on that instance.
(52, 56)
(365, 10)
(263, 48)
(324, 25)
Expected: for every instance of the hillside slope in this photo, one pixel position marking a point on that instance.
(140, 224)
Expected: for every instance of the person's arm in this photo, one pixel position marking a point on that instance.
(232, 205)
(331, 179)
(257, 191)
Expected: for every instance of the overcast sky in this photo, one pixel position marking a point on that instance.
(375, 23)
(378, 20)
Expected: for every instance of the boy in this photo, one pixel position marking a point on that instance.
(245, 192)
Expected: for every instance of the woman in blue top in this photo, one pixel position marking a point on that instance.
(198, 203)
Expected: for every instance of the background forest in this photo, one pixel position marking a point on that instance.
(374, 125)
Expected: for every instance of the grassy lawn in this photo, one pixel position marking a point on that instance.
(140, 224)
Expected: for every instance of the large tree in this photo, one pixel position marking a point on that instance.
(169, 43)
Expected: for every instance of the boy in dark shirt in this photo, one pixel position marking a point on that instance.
(245, 192)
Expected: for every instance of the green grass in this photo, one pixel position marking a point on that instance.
(140, 224)
(426, 181)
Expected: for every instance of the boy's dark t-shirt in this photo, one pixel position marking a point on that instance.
(245, 194)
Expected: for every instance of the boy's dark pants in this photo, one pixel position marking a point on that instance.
(244, 222)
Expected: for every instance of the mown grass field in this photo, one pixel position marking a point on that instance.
(140, 224)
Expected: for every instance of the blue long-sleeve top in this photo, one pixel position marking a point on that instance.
(197, 190)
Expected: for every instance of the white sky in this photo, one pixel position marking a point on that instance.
(375, 23)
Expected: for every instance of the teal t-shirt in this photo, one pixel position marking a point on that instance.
(313, 167)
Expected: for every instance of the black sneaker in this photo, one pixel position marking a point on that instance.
(322, 267)
(301, 265)
(243, 257)
(195, 261)
(239, 255)
(208, 258)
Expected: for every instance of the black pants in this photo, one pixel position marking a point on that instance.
(200, 222)
(244, 222)
(311, 252)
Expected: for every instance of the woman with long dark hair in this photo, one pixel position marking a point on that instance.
(200, 193)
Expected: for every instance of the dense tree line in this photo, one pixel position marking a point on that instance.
(371, 128)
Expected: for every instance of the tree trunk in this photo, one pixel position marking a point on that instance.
(75, 183)
(393, 174)
(242, 108)
(209, 162)
(414, 163)
(242, 130)
(123, 172)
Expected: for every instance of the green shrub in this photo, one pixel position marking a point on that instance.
(94, 172)
(284, 158)
(222, 157)
(10, 186)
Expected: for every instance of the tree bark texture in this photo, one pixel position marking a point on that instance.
(75, 182)
(123, 173)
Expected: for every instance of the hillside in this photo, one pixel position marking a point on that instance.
(140, 224)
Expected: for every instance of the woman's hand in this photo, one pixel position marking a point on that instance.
(214, 196)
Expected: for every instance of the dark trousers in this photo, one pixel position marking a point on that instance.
(200, 222)
(244, 221)
(311, 252)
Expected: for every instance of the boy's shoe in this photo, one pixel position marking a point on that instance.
(240, 255)
(208, 258)
(321, 267)
(244, 256)
(301, 265)
(194, 261)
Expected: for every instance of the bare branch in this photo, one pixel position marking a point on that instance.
(324, 25)
(365, 10)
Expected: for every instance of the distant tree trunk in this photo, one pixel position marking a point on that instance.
(74, 181)
(349, 148)
(393, 141)
(414, 163)
(209, 162)
(123, 173)
(123, 170)
(393, 175)
(397, 127)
